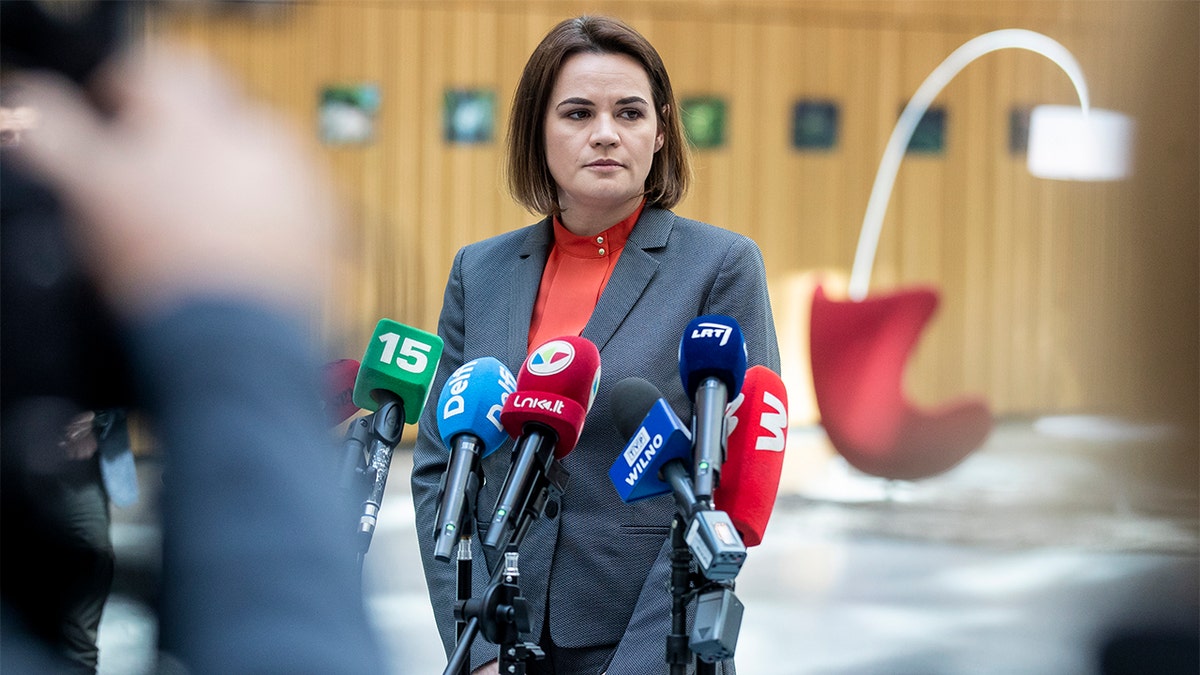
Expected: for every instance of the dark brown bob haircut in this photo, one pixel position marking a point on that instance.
(529, 179)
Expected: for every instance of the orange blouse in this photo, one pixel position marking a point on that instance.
(576, 273)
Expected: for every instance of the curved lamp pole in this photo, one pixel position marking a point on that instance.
(885, 178)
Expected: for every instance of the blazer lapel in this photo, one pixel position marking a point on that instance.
(635, 268)
(526, 278)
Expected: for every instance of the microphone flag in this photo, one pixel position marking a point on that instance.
(658, 439)
(401, 361)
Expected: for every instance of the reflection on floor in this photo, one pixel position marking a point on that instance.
(1055, 541)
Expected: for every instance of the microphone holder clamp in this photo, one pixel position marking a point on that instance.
(717, 624)
(718, 616)
(369, 444)
(502, 615)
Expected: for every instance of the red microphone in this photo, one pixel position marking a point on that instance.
(758, 421)
(555, 390)
(338, 378)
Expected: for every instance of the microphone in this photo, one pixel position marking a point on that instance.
(398, 366)
(711, 536)
(469, 423)
(758, 421)
(656, 438)
(338, 379)
(555, 390)
(393, 382)
(712, 363)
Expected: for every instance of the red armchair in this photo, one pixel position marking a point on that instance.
(859, 351)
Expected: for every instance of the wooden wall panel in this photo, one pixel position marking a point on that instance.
(1056, 296)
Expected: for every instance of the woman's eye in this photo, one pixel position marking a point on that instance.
(631, 114)
(577, 114)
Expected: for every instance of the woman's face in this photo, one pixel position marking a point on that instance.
(601, 134)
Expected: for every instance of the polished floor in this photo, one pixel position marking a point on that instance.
(1058, 543)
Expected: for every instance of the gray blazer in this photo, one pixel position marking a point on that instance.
(602, 564)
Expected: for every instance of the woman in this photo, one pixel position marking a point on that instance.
(596, 146)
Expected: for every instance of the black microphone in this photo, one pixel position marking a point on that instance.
(469, 424)
(657, 442)
(712, 363)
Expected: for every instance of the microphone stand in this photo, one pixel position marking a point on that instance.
(718, 627)
(678, 655)
(684, 586)
(502, 613)
(464, 571)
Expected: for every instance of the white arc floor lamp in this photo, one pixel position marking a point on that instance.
(1065, 142)
(859, 347)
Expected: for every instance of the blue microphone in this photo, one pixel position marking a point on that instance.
(656, 437)
(712, 365)
(469, 424)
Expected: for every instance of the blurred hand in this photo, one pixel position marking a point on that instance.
(78, 439)
(187, 189)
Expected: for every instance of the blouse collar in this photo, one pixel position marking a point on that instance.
(599, 246)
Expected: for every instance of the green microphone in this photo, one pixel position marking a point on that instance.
(393, 382)
(400, 362)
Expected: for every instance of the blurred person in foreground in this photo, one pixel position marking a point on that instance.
(92, 471)
(596, 147)
(87, 468)
(200, 221)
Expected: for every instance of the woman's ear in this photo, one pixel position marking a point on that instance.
(661, 138)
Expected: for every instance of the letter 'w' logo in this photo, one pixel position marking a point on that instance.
(774, 423)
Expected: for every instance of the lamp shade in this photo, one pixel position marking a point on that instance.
(1067, 143)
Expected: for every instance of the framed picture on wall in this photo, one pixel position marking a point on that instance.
(814, 124)
(704, 121)
(929, 138)
(347, 114)
(469, 116)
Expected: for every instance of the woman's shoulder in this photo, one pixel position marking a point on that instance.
(512, 242)
(503, 239)
(688, 229)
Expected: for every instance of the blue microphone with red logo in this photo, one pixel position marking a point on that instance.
(555, 390)
(712, 364)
